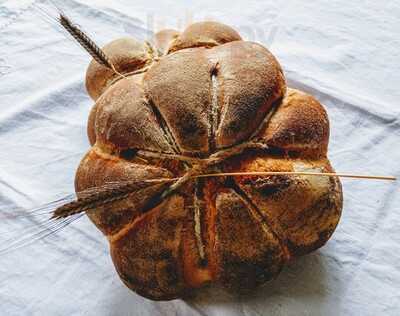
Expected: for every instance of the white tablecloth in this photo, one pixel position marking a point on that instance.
(346, 53)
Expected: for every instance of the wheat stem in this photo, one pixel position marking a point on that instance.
(102, 196)
(303, 173)
(87, 43)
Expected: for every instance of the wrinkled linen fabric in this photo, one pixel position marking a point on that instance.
(345, 53)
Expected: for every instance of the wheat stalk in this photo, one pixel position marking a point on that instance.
(115, 191)
(87, 43)
(299, 173)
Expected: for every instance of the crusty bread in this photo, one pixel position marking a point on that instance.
(205, 92)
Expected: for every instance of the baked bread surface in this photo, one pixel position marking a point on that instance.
(222, 104)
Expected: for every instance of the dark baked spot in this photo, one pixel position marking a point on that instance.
(247, 275)
(268, 185)
(128, 154)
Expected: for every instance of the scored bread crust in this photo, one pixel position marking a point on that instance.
(199, 94)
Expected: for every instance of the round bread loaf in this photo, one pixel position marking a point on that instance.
(206, 101)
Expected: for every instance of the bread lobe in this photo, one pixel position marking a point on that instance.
(301, 123)
(126, 54)
(204, 34)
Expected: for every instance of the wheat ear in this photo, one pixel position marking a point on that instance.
(87, 43)
(95, 197)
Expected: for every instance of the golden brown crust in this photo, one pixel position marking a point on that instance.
(91, 125)
(250, 80)
(204, 34)
(179, 87)
(91, 128)
(125, 119)
(126, 54)
(300, 124)
(209, 92)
